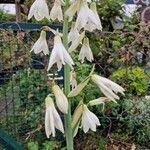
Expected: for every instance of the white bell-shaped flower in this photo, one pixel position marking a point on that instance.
(89, 120)
(39, 10)
(108, 87)
(61, 99)
(86, 51)
(85, 15)
(76, 42)
(90, 26)
(59, 55)
(41, 44)
(56, 11)
(74, 7)
(73, 34)
(52, 118)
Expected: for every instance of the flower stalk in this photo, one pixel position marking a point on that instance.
(68, 119)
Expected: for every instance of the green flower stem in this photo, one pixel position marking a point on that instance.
(68, 118)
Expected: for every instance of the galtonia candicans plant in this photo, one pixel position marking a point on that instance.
(78, 18)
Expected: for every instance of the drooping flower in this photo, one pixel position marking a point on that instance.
(86, 51)
(52, 118)
(74, 7)
(41, 44)
(108, 87)
(85, 15)
(56, 11)
(39, 10)
(76, 42)
(90, 26)
(98, 101)
(59, 55)
(61, 99)
(73, 34)
(89, 120)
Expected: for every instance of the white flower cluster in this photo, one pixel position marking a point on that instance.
(39, 10)
(52, 118)
(87, 19)
(82, 113)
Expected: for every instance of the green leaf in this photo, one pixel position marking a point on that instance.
(33, 146)
(79, 88)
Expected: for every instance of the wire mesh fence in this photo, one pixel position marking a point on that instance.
(23, 85)
(23, 79)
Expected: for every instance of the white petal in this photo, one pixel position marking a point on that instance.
(59, 65)
(52, 59)
(76, 43)
(61, 99)
(90, 26)
(85, 51)
(52, 123)
(82, 53)
(115, 87)
(32, 10)
(98, 101)
(97, 25)
(56, 11)
(47, 124)
(73, 9)
(89, 120)
(108, 92)
(57, 120)
(85, 123)
(41, 44)
(82, 17)
(73, 34)
(93, 117)
(62, 103)
(45, 48)
(68, 58)
(39, 9)
(36, 46)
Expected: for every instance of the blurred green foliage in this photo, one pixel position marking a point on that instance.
(133, 79)
(47, 145)
(133, 121)
(5, 16)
